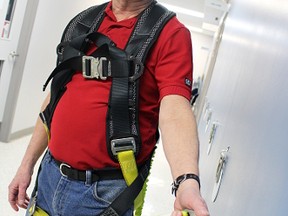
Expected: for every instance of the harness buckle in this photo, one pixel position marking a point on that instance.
(92, 68)
(123, 144)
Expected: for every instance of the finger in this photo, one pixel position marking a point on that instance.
(202, 210)
(176, 213)
(25, 204)
(22, 196)
(12, 197)
(27, 198)
(206, 213)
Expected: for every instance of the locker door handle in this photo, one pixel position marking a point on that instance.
(212, 135)
(208, 120)
(14, 54)
(219, 173)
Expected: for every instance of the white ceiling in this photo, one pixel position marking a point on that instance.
(203, 16)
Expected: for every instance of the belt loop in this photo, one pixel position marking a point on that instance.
(88, 177)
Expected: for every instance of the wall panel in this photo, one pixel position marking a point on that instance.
(248, 96)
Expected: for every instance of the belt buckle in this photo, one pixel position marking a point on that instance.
(64, 165)
(92, 68)
(123, 144)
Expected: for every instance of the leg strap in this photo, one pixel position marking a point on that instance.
(39, 212)
(135, 183)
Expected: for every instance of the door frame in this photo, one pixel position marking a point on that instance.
(18, 70)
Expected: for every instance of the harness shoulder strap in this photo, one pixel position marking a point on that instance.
(147, 30)
(122, 116)
(85, 22)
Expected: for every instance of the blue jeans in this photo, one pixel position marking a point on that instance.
(60, 196)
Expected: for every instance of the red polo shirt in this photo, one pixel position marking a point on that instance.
(78, 131)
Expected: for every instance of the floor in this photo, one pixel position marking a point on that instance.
(158, 202)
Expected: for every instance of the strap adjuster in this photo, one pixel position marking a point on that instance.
(123, 144)
(92, 67)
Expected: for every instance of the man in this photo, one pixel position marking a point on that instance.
(77, 141)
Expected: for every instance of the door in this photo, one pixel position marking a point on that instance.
(11, 19)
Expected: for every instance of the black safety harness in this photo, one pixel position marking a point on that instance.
(124, 67)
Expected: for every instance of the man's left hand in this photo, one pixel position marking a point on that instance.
(189, 197)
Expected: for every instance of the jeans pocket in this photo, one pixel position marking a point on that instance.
(108, 190)
(61, 195)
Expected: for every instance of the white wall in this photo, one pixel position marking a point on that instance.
(248, 96)
(202, 45)
(7, 47)
(52, 17)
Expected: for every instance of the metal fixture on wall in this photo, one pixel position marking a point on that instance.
(212, 135)
(219, 173)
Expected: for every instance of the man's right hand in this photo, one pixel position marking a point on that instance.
(17, 195)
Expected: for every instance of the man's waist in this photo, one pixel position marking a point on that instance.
(88, 176)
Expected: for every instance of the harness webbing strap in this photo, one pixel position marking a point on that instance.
(32, 208)
(118, 110)
(85, 22)
(143, 39)
(119, 107)
(121, 122)
(143, 29)
(125, 200)
(45, 125)
(38, 212)
(130, 172)
(128, 166)
(119, 67)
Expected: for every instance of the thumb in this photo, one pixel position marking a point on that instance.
(22, 195)
(176, 213)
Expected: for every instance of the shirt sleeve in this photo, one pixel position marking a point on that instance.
(173, 71)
